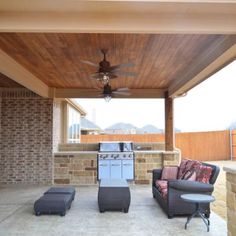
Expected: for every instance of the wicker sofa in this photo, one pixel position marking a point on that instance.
(172, 204)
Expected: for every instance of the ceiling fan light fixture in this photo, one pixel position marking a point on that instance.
(107, 97)
(105, 79)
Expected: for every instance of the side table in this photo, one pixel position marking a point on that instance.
(198, 199)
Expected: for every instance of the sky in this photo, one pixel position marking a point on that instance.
(209, 106)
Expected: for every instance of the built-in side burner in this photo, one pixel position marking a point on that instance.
(116, 160)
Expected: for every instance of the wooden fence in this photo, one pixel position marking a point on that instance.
(204, 146)
(233, 143)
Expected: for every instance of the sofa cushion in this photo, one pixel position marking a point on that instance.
(204, 174)
(162, 187)
(169, 173)
(188, 165)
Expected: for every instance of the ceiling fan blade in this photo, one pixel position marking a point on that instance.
(129, 64)
(96, 76)
(122, 89)
(121, 93)
(90, 63)
(125, 73)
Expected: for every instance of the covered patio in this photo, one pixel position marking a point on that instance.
(145, 216)
(174, 47)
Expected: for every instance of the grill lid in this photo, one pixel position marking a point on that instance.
(115, 146)
(109, 147)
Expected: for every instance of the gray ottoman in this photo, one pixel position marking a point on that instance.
(62, 190)
(113, 194)
(53, 204)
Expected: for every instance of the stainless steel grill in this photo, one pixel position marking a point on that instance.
(116, 160)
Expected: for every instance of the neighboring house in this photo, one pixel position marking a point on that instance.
(149, 129)
(121, 128)
(88, 127)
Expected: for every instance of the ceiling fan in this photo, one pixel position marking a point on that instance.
(106, 71)
(108, 92)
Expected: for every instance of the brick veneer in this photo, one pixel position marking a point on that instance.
(26, 138)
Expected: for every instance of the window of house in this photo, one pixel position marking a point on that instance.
(73, 128)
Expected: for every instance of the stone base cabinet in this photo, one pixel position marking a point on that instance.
(231, 200)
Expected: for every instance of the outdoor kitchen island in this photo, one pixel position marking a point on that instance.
(76, 164)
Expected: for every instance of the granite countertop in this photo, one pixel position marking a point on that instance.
(231, 170)
(74, 152)
(148, 151)
(95, 152)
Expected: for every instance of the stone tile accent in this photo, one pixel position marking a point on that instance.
(144, 164)
(171, 158)
(26, 138)
(76, 169)
(231, 200)
(149, 146)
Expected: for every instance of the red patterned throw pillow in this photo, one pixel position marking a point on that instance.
(187, 165)
(169, 172)
(204, 174)
(190, 175)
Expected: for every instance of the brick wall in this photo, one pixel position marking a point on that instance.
(26, 138)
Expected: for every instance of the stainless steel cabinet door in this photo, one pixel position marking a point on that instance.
(128, 169)
(104, 169)
(115, 169)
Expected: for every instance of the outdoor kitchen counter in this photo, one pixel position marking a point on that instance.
(80, 167)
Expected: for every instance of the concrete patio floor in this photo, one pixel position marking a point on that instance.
(145, 217)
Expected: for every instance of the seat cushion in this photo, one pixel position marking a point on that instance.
(169, 173)
(53, 203)
(62, 190)
(162, 187)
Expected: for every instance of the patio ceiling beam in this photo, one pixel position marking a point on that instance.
(16, 72)
(205, 66)
(205, 16)
(93, 93)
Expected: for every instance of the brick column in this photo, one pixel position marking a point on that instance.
(231, 200)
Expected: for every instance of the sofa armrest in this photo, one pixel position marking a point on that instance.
(190, 186)
(156, 174)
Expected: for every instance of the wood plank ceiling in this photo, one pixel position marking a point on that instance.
(55, 57)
